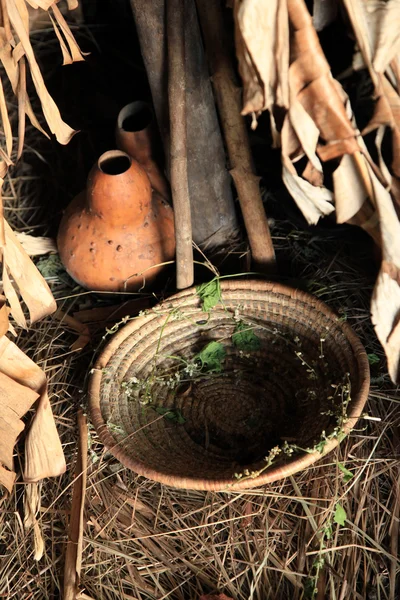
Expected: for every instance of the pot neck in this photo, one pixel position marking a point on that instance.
(134, 132)
(117, 187)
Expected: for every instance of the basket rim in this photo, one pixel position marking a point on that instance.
(273, 473)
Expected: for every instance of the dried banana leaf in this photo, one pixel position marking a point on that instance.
(22, 382)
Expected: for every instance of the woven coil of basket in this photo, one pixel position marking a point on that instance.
(257, 388)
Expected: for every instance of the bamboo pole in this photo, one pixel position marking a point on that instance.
(229, 104)
(178, 143)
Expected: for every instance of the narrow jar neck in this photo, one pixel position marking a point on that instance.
(117, 188)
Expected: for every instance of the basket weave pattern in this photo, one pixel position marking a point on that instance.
(280, 392)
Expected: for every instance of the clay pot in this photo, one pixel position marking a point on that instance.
(115, 235)
(135, 134)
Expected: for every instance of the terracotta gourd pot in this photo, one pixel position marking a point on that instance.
(135, 134)
(115, 235)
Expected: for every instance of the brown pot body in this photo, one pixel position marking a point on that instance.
(116, 235)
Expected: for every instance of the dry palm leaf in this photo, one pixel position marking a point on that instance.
(19, 19)
(32, 503)
(21, 381)
(387, 46)
(262, 46)
(377, 33)
(70, 50)
(319, 125)
(385, 306)
(261, 40)
(15, 54)
(12, 70)
(15, 401)
(44, 456)
(264, 66)
(18, 269)
(4, 312)
(378, 41)
(36, 245)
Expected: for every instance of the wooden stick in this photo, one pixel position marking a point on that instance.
(73, 556)
(178, 145)
(229, 104)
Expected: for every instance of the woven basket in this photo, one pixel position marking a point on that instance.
(298, 390)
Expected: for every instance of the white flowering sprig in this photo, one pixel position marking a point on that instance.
(139, 389)
(344, 390)
(321, 341)
(310, 370)
(269, 459)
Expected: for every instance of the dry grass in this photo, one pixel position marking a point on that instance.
(145, 541)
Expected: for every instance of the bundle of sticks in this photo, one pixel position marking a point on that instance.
(284, 71)
(201, 190)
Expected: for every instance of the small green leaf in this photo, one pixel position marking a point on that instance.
(244, 338)
(210, 294)
(340, 515)
(50, 266)
(373, 359)
(347, 475)
(319, 563)
(171, 413)
(320, 446)
(310, 589)
(328, 531)
(211, 357)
